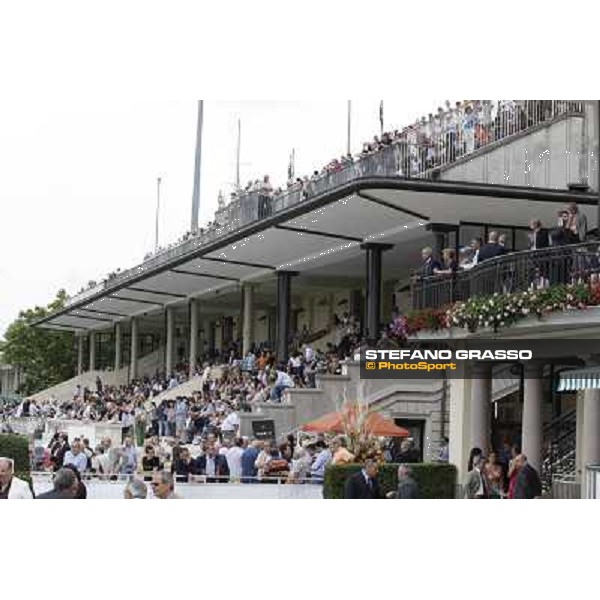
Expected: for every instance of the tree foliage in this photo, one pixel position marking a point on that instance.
(46, 357)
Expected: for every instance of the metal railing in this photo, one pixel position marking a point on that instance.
(592, 476)
(419, 151)
(515, 272)
(565, 488)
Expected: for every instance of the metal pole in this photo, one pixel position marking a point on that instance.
(158, 181)
(239, 149)
(197, 169)
(349, 146)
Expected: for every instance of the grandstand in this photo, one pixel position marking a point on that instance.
(351, 237)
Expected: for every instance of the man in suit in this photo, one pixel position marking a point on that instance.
(527, 485)
(66, 486)
(407, 486)
(11, 487)
(363, 485)
(492, 249)
(429, 264)
(475, 487)
(538, 238)
(212, 465)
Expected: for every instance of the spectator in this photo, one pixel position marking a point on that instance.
(249, 457)
(429, 264)
(363, 485)
(538, 237)
(150, 463)
(129, 461)
(407, 486)
(450, 263)
(444, 453)
(213, 466)
(475, 486)
(282, 383)
(234, 459)
(492, 249)
(492, 471)
(324, 457)
(183, 467)
(135, 490)
(577, 222)
(527, 482)
(11, 487)
(163, 486)
(76, 457)
(65, 486)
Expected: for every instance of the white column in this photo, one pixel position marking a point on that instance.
(248, 322)
(481, 404)
(533, 402)
(134, 346)
(459, 428)
(193, 335)
(80, 356)
(591, 433)
(169, 343)
(92, 351)
(118, 336)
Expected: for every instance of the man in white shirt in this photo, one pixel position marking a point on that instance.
(11, 487)
(283, 382)
(234, 459)
(231, 423)
(76, 457)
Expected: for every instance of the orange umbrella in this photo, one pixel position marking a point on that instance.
(337, 422)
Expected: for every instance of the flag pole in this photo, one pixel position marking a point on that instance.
(158, 181)
(381, 116)
(197, 169)
(239, 151)
(349, 145)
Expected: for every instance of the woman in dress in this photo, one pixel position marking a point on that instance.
(492, 471)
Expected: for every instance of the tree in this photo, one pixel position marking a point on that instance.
(47, 357)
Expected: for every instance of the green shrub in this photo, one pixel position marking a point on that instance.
(16, 447)
(435, 480)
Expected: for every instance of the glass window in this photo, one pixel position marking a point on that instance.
(521, 239)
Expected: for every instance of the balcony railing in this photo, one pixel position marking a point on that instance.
(516, 272)
(420, 151)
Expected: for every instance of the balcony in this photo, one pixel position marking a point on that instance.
(516, 272)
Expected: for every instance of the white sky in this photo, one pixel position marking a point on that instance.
(79, 177)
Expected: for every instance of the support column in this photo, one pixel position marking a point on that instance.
(460, 412)
(374, 256)
(481, 407)
(134, 347)
(169, 343)
(92, 351)
(533, 402)
(284, 280)
(591, 434)
(80, 356)
(247, 320)
(118, 343)
(193, 335)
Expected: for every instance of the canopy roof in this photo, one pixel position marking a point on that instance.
(310, 238)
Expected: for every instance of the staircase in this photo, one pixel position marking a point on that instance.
(559, 459)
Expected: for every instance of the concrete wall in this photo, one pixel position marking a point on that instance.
(550, 157)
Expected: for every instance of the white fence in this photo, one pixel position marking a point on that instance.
(113, 490)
